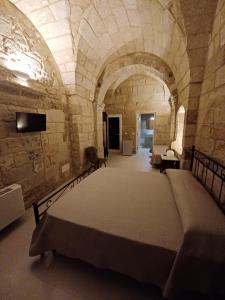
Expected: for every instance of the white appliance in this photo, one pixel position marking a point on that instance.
(11, 204)
(127, 147)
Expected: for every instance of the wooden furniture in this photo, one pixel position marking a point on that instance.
(169, 162)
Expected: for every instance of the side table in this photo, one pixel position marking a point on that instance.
(169, 162)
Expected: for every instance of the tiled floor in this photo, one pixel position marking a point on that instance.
(139, 161)
(60, 278)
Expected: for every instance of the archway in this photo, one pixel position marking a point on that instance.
(177, 145)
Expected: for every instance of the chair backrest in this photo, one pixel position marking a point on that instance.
(91, 154)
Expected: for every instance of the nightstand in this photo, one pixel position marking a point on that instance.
(169, 162)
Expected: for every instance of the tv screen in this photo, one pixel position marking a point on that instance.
(28, 122)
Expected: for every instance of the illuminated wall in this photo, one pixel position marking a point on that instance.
(30, 82)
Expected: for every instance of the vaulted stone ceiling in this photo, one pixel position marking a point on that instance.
(52, 19)
(84, 36)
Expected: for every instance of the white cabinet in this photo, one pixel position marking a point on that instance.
(127, 147)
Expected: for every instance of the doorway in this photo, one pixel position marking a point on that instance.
(145, 130)
(114, 132)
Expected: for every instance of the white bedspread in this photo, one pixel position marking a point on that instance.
(126, 221)
(160, 229)
(200, 263)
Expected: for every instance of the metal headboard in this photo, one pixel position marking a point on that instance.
(42, 206)
(211, 174)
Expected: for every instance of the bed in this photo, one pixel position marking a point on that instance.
(156, 228)
(157, 151)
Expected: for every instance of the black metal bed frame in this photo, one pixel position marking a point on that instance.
(207, 171)
(211, 174)
(42, 206)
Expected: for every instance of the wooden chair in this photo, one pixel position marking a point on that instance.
(92, 157)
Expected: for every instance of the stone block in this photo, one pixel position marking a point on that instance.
(208, 84)
(7, 162)
(68, 77)
(55, 29)
(222, 36)
(30, 142)
(44, 141)
(197, 73)
(7, 114)
(55, 138)
(59, 127)
(4, 148)
(41, 16)
(220, 78)
(195, 89)
(60, 43)
(197, 57)
(16, 174)
(60, 10)
(38, 165)
(55, 115)
(3, 131)
(198, 41)
(218, 133)
(64, 56)
(190, 130)
(219, 151)
(191, 117)
(21, 158)
(15, 144)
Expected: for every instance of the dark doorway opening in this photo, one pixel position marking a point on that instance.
(105, 136)
(114, 133)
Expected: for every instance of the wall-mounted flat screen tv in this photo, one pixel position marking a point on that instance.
(28, 122)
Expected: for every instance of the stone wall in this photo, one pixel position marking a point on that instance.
(210, 136)
(82, 128)
(30, 82)
(198, 19)
(141, 94)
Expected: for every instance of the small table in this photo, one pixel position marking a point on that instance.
(169, 162)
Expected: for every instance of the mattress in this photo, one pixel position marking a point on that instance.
(156, 228)
(122, 220)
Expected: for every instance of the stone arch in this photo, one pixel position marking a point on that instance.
(120, 70)
(116, 78)
(141, 62)
(121, 30)
(177, 145)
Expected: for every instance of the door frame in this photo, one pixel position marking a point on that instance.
(138, 114)
(120, 128)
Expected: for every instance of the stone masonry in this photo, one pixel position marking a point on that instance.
(136, 95)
